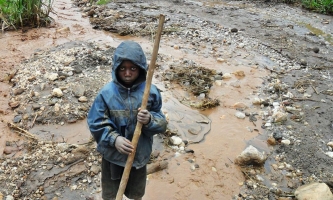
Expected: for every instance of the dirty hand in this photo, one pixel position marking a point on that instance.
(143, 116)
(123, 145)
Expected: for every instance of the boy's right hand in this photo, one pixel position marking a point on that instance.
(123, 145)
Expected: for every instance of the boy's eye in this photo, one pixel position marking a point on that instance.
(133, 68)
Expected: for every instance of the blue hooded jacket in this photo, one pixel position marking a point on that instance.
(115, 108)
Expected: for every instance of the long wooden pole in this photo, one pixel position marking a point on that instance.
(137, 132)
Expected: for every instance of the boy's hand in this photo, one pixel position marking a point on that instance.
(123, 145)
(143, 116)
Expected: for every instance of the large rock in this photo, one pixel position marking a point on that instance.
(314, 191)
(251, 155)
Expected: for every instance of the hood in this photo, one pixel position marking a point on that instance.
(132, 51)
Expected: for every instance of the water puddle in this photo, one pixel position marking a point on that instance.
(317, 32)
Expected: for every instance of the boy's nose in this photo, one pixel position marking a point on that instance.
(127, 72)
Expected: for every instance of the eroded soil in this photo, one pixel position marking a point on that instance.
(277, 53)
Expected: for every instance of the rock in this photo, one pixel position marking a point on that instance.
(175, 140)
(316, 49)
(239, 73)
(14, 104)
(330, 154)
(83, 99)
(218, 82)
(17, 118)
(250, 155)
(57, 92)
(218, 77)
(220, 60)
(95, 169)
(330, 144)
(303, 62)
(52, 76)
(78, 90)
(240, 115)
(10, 149)
(9, 197)
(234, 30)
(257, 101)
(36, 106)
(62, 146)
(314, 191)
(271, 141)
(285, 142)
(277, 135)
(226, 76)
(18, 91)
(280, 116)
(240, 105)
(42, 86)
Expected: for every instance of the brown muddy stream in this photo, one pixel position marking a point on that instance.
(217, 176)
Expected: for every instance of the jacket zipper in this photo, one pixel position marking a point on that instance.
(130, 107)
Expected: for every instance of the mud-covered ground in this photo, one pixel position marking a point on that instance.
(291, 110)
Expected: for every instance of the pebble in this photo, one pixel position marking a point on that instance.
(285, 142)
(240, 115)
(83, 99)
(56, 92)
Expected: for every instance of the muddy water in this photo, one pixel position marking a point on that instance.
(217, 177)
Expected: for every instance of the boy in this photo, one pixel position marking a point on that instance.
(112, 120)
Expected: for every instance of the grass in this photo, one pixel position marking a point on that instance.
(103, 2)
(21, 13)
(322, 6)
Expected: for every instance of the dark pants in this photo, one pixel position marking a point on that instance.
(111, 177)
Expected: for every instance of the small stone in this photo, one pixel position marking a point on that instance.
(226, 76)
(316, 50)
(18, 91)
(36, 106)
(52, 76)
(57, 92)
(218, 82)
(330, 154)
(83, 99)
(78, 90)
(240, 115)
(285, 142)
(95, 169)
(175, 140)
(271, 141)
(176, 47)
(9, 197)
(330, 144)
(220, 60)
(17, 118)
(234, 30)
(14, 104)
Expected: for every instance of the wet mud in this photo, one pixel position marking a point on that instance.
(271, 51)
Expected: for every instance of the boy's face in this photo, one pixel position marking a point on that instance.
(127, 73)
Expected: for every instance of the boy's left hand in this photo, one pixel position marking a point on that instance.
(143, 116)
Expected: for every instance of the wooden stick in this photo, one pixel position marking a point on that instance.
(137, 132)
(22, 131)
(158, 166)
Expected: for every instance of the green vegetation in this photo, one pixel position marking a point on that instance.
(14, 13)
(322, 6)
(103, 2)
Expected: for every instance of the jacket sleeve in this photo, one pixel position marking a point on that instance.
(158, 123)
(100, 124)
